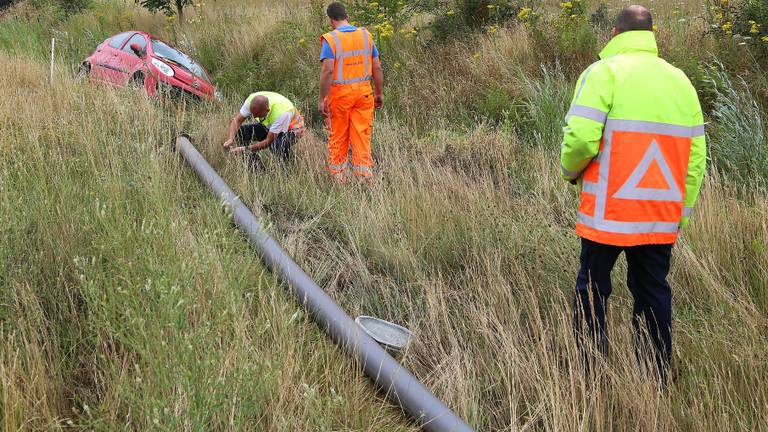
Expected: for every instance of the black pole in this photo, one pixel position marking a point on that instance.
(389, 375)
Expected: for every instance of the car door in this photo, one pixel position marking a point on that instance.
(97, 72)
(108, 62)
(127, 60)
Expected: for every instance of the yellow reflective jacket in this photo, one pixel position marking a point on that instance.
(635, 141)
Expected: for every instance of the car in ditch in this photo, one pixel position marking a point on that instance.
(137, 58)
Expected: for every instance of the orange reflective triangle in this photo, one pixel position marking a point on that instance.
(653, 178)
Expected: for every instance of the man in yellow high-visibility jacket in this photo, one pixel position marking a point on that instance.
(634, 142)
(277, 127)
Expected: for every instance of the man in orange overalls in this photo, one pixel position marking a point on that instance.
(349, 60)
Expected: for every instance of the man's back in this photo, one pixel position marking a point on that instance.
(634, 128)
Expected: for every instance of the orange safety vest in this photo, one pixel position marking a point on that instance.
(633, 192)
(353, 55)
(297, 124)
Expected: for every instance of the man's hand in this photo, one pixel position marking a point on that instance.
(239, 150)
(323, 108)
(378, 100)
(228, 143)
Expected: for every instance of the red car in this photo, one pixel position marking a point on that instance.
(138, 58)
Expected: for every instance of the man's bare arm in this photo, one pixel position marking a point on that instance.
(326, 79)
(261, 145)
(234, 126)
(378, 83)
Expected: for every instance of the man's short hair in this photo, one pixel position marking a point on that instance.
(633, 18)
(336, 11)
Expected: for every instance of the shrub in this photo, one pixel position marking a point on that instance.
(61, 7)
(387, 19)
(576, 39)
(454, 17)
(745, 22)
(600, 18)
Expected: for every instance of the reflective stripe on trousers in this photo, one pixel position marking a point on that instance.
(334, 169)
(362, 171)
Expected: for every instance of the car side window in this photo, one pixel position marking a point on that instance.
(117, 41)
(137, 39)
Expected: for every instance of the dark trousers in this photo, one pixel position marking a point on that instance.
(282, 146)
(648, 266)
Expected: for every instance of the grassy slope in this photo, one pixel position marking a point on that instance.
(127, 298)
(467, 239)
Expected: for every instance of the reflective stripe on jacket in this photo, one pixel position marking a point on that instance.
(635, 140)
(353, 55)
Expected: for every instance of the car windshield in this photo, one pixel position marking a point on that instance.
(161, 49)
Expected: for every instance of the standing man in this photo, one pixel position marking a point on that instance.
(634, 141)
(349, 60)
(278, 125)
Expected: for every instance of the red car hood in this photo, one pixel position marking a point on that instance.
(190, 79)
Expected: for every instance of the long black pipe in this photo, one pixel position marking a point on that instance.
(385, 371)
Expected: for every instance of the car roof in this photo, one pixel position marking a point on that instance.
(151, 36)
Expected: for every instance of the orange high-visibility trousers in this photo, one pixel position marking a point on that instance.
(349, 130)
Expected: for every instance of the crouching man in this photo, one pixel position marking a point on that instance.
(278, 126)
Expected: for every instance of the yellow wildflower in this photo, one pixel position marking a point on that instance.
(373, 4)
(302, 41)
(397, 65)
(450, 12)
(385, 29)
(524, 14)
(654, 28)
(764, 39)
(476, 55)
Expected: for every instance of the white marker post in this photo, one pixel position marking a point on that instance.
(53, 48)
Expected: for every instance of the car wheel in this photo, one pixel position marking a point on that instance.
(137, 81)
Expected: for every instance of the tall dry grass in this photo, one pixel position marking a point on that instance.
(467, 238)
(127, 301)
